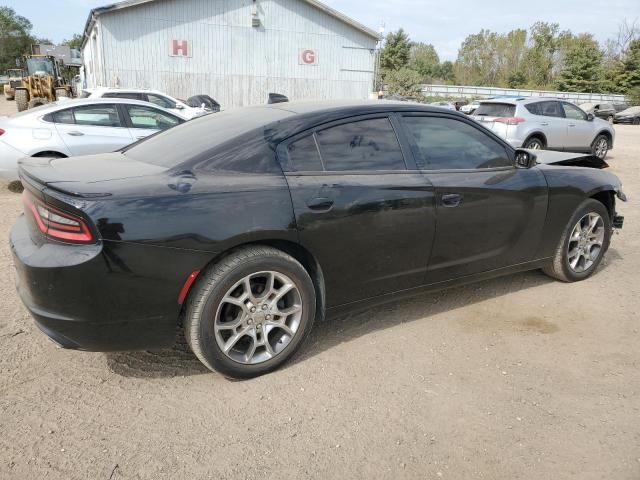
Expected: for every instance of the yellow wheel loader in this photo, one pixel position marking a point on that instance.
(43, 83)
(15, 80)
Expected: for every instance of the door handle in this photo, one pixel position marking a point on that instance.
(140, 137)
(544, 124)
(75, 134)
(451, 199)
(572, 124)
(320, 204)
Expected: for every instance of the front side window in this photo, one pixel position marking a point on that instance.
(97, 115)
(362, 145)
(447, 144)
(147, 117)
(161, 101)
(551, 109)
(572, 112)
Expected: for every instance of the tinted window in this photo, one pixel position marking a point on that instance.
(131, 95)
(97, 115)
(303, 156)
(147, 117)
(61, 116)
(442, 144)
(534, 108)
(573, 112)
(551, 109)
(363, 145)
(496, 110)
(161, 101)
(201, 138)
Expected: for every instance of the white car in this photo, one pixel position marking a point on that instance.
(152, 96)
(469, 108)
(78, 127)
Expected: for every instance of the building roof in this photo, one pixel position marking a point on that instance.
(95, 12)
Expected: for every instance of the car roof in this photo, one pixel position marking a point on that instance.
(524, 100)
(127, 90)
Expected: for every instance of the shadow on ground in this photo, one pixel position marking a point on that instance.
(180, 361)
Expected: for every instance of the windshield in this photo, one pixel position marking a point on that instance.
(632, 110)
(182, 143)
(496, 110)
(38, 65)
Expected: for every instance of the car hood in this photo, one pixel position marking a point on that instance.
(548, 157)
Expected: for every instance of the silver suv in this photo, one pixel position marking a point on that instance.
(546, 123)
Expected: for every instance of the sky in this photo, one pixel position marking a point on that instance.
(443, 23)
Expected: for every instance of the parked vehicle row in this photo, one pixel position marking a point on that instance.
(546, 123)
(248, 225)
(79, 127)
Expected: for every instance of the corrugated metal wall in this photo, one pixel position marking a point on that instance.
(235, 63)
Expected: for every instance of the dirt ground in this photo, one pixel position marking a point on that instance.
(516, 378)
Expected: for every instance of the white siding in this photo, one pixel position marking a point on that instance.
(232, 61)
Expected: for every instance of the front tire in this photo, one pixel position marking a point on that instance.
(583, 244)
(37, 102)
(600, 146)
(22, 100)
(250, 312)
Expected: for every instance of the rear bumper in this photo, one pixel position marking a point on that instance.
(101, 297)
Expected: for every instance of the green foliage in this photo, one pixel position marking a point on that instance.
(396, 52)
(74, 42)
(15, 37)
(425, 60)
(627, 77)
(405, 82)
(582, 65)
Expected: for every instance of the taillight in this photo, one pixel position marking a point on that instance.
(1, 131)
(55, 223)
(510, 120)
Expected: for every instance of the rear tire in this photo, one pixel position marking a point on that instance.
(22, 100)
(636, 121)
(61, 92)
(37, 102)
(573, 240)
(250, 312)
(534, 143)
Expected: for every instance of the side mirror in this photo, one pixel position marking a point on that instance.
(590, 117)
(525, 158)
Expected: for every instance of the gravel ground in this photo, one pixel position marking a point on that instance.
(518, 377)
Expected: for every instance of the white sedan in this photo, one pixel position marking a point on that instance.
(78, 127)
(159, 99)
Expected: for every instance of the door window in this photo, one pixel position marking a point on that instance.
(551, 109)
(362, 145)
(445, 144)
(63, 116)
(572, 112)
(97, 115)
(303, 156)
(147, 117)
(161, 101)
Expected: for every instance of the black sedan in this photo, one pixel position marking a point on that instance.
(630, 115)
(248, 225)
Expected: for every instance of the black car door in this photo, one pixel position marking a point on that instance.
(489, 214)
(366, 217)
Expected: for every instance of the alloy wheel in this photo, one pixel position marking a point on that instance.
(585, 242)
(258, 317)
(534, 145)
(601, 148)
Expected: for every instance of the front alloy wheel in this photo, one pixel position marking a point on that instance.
(585, 243)
(601, 147)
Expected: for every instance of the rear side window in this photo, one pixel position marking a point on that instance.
(362, 145)
(534, 108)
(551, 109)
(63, 116)
(303, 156)
(496, 110)
(447, 144)
(97, 115)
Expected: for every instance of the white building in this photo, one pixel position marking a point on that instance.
(236, 51)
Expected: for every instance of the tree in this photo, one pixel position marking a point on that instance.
(15, 37)
(582, 65)
(627, 77)
(425, 60)
(538, 63)
(396, 52)
(405, 82)
(445, 73)
(75, 42)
